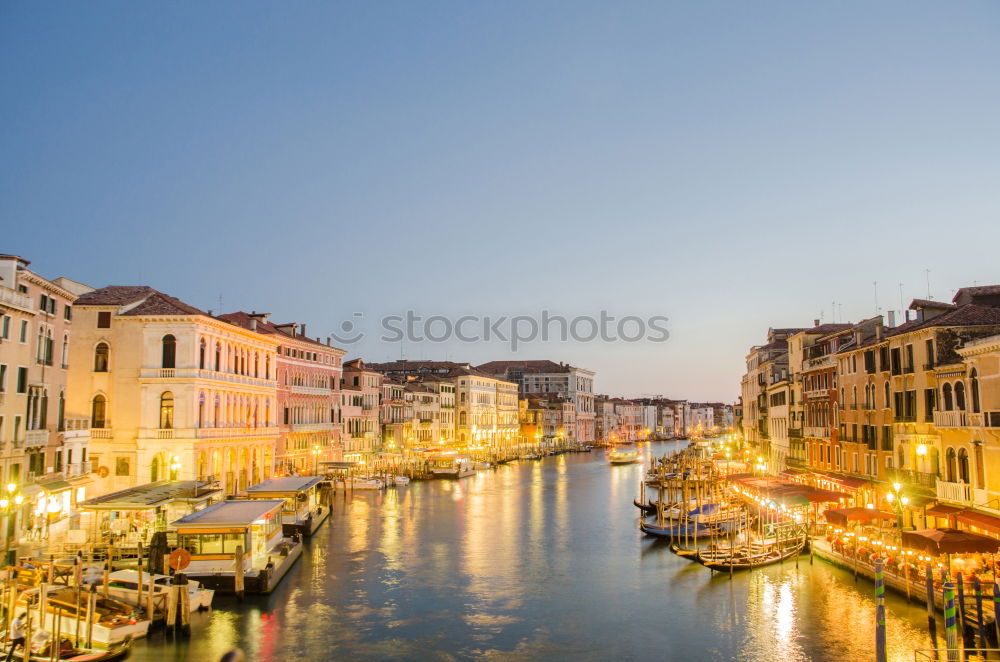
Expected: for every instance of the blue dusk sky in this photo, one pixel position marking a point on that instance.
(729, 165)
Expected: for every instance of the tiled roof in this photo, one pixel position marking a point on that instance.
(144, 301)
(242, 319)
(115, 295)
(532, 366)
(981, 290)
(928, 303)
(968, 315)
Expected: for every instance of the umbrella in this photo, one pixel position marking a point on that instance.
(949, 541)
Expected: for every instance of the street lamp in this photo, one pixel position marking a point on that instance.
(9, 505)
(898, 500)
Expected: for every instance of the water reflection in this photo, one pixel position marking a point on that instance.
(535, 560)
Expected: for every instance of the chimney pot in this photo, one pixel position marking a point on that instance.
(303, 332)
(815, 322)
(253, 323)
(892, 319)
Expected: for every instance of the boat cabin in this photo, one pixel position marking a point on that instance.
(212, 535)
(303, 511)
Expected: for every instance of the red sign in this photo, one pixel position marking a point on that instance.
(180, 559)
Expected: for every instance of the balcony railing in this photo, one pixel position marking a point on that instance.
(909, 477)
(100, 433)
(15, 298)
(818, 432)
(311, 427)
(311, 390)
(955, 492)
(229, 433)
(196, 373)
(950, 419)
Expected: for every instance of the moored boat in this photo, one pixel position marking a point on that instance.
(113, 621)
(76, 653)
(400, 481)
(365, 484)
(624, 456)
(124, 585)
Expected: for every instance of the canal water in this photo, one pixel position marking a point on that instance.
(536, 560)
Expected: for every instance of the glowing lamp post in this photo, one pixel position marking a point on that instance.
(9, 505)
(898, 500)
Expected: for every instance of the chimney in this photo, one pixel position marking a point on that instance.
(907, 314)
(815, 322)
(857, 336)
(253, 323)
(892, 319)
(878, 331)
(919, 314)
(303, 331)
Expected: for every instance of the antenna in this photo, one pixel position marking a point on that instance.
(927, 272)
(875, 283)
(902, 308)
(833, 308)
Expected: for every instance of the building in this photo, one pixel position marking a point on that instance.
(361, 407)
(41, 445)
(397, 414)
(605, 419)
(309, 373)
(767, 366)
(486, 409)
(170, 391)
(543, 377)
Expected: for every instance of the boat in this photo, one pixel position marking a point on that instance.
(365, 484)
(114, 621)
(672, 530)
(745, 558)
(451, 466)
(123, 585)
(304, 509)
(400, 481)
(649, 509)
(624, 456)
(480, 466)
(76, 653)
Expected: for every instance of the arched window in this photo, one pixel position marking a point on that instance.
(101, 355)
(166, 410)
(963, 466)
(974, 388)
(201, 410)
(960, 396)
(218, 357)
(98, 411)
(949, 465)
(887, 404)
(169, 352)
(267, 367)
(61, 420)
(202, 347)
(154, 469)
(256, 364)
(947, 399)
(65, 351)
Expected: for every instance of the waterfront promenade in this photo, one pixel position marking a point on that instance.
(535, 560)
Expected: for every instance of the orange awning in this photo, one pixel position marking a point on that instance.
(981, 520)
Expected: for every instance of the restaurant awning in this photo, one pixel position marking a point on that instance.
(843, 516)
(980, 520)
(941, 510)
(949, 541)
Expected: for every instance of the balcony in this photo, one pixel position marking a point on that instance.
(236, 432)
(311, 390)
(36, 438)
(816, 432)
(794, 433)
(955, 492)
(818, 362)
(16, 299)
(100, 433)
(195, 373)
(950, 419)
(918, 478)
(311, 427)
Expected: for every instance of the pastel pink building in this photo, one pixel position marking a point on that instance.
(308, 395)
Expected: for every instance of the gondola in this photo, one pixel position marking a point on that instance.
(745, 560)
(116, 652)
(649, 509)
(671, 530)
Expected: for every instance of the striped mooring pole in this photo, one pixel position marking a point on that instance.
(880, 650)
(929, 574)
(961, 607)
(980, 625)
(950, 622)
(996, 608)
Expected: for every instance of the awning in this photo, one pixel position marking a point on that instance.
(53, 486)
(842, 516)
(981, 520)
(941, 510)
(949, 541)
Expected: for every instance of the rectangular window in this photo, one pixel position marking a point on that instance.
(104, 320)
(870, 361)
(22, 380)
(67, 312)
(930, 354)
(883, 354)
(930, 395)
(887, 438)
(896, 361)
(908, 367)
(23, 337)
(3, 378)
(5, 327)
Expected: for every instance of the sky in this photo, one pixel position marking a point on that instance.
(729, 166)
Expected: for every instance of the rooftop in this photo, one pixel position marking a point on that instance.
(235, 513)
(152, 495)
(286, 484)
